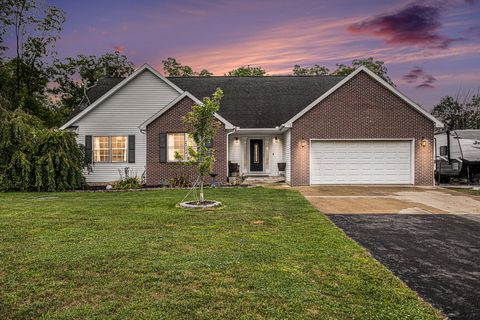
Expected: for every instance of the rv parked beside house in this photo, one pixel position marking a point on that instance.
(458, 155)
(356, 129)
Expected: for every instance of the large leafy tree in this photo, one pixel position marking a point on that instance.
(315, 70)
(377, 66)
(173, 68)
(457, 114)
(35, 27)
(35, 158)
(202, 125)
(247, 71)
(74, 75)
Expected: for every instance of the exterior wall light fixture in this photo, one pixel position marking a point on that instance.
(424, 142)
(275, 140)
(236, 140)
(303, 143)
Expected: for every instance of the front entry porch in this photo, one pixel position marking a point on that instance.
(257, 154)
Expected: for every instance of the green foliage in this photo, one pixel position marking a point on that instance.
(247, 71)
(128, 183)
(377, 66)
(128, 180)
(180, 182)
(173, 68)
(74, 75)
(201, 125)
(456, 114)
(35, 27)
(316, 70)
(34, 158)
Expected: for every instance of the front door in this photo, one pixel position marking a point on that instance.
(256, 155)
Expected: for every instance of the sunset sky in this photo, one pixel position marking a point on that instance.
(431, 48)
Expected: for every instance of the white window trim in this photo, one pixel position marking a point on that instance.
(109, 148)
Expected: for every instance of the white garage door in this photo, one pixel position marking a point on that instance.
(361, 162)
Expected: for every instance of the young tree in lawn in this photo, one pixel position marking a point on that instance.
(201, 125)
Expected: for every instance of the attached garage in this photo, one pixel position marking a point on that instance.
(361, 162)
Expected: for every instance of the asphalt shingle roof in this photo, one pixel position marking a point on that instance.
(259, 102)
(248, 102)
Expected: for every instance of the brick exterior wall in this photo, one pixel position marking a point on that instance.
(362, 109)
(171, 122)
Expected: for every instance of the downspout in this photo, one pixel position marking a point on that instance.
(144, 174)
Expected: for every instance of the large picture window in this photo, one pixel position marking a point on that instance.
(179, 142)
(110, 149)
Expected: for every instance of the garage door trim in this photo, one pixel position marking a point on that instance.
(412, 153)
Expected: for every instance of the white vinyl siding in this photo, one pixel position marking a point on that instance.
(276, 154)
(361, 162)
(121, 115)
(287, 141)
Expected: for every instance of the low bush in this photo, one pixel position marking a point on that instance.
(180, 182)
(128, 180)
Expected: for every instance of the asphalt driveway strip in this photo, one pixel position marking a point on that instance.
(437, 255)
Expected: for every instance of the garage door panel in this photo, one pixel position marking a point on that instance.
(361, 162)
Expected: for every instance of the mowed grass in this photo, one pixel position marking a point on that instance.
(268, 254)
(468, 191)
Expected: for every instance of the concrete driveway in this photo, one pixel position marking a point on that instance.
(371, 200)
(429, 238)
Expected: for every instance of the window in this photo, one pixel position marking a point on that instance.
(179, 142)
(101, 149)
(110, 149)
(443, 150)
(119, 149)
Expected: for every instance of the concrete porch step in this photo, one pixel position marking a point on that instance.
(259, 180)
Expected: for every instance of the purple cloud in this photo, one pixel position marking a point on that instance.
(415, 24)
(417, 75)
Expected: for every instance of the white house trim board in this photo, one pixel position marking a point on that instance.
(144, 125)
(117, 88)
(438, 124)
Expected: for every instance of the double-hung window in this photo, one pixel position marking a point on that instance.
(110, 149)
(179, 143)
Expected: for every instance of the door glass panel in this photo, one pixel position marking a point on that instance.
(255, 152)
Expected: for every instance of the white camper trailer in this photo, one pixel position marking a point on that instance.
(457, 155)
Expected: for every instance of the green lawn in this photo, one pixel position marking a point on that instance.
(469, 191)
(268, 254)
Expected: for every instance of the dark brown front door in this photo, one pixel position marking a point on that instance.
(256, 155)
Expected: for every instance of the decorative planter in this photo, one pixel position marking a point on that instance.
(281, 166)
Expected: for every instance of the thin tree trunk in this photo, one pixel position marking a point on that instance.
(202, 199)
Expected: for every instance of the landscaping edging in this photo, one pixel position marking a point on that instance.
(195, 205)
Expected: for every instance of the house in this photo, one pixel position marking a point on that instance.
(356, 129)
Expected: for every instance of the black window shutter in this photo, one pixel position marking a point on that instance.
(131, 149)
(162, 147)
(89, 149)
